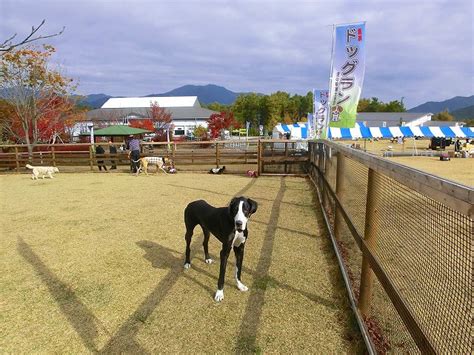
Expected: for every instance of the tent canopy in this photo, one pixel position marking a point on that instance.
(297, 130)
(118, 130)
(360, 131)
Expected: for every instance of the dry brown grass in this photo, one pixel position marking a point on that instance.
(93, 262)
(460, 170)
(457, 169)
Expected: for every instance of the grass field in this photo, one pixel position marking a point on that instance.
(457, 169)
(94, 263)
(460, 170)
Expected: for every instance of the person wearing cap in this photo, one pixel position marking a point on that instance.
(134, 152)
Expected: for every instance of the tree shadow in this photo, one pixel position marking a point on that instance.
(246, 339)
(78, 315)
(123, 340)
(239, 193)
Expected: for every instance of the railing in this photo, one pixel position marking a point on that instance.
(406, 243)
(404, 238)
(264, 156)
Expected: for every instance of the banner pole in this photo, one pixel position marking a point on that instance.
(329, 115)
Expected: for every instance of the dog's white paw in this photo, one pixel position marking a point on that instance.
(219, 295)
(187, 265)
(242, 287)
(209, 261)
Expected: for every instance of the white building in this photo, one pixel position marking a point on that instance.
(186, 113)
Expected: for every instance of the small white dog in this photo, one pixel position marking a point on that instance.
(43, 170)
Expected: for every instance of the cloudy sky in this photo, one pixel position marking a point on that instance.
(416, 49)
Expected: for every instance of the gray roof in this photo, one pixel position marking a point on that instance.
(444, 123)
(377, 119)
(177, 113)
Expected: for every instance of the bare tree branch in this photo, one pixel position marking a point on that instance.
(8, 44)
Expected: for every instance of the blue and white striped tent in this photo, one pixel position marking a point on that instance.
(297, 130)
(361, 131)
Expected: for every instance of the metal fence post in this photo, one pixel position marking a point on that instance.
(217, 154)
(370, 236)
(340, 171)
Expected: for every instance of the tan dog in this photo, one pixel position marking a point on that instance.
(43, 170)
(146, 161)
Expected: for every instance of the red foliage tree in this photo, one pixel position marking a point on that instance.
(57, 119)
(220, 121)
(145, 123)
(161, 121)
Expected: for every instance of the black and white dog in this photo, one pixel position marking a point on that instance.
(217, 171)
(229, 225)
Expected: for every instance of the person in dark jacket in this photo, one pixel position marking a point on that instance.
(100, 163)
(133, 147)
(112, 151)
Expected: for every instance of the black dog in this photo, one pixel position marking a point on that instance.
(229, 225)
(217, 170)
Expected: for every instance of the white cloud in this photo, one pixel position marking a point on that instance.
(422, 50)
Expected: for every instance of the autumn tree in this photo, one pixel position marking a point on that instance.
(161, 120)
(218, 122)
(443, 116)
(7, 113)
(374, 105)
(145, 123)
(38, 93)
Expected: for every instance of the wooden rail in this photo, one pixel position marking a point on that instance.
(268, 156)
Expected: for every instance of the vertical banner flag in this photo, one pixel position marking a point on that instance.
(347, 73)
(320, 116)
(311, 128)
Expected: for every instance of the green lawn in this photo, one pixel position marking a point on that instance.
(94, 263)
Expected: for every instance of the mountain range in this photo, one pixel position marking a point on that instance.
(461, 107)
(451, 105)
(206, 94)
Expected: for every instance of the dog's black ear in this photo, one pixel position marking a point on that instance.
(253, 205)
(231, 204)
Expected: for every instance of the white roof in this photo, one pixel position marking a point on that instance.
(163, 101)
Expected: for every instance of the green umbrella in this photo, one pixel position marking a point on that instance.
(118, 130)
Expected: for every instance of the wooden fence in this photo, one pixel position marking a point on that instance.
(264, 156)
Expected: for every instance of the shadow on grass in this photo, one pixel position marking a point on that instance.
(239, 193)
(246, 339)
(78, 315)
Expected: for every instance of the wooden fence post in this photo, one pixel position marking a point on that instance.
(370, 236)
(91, 158)
(17, 160)
(53, 156)
(217, 154)
(259, 157)
(340, 171)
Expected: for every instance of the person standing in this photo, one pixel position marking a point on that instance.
(134, 152)
(113, 152)
(100, 163)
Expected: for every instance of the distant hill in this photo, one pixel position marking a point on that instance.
(206, 93)
(451, 105)
(466, 113)
(94, 100)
